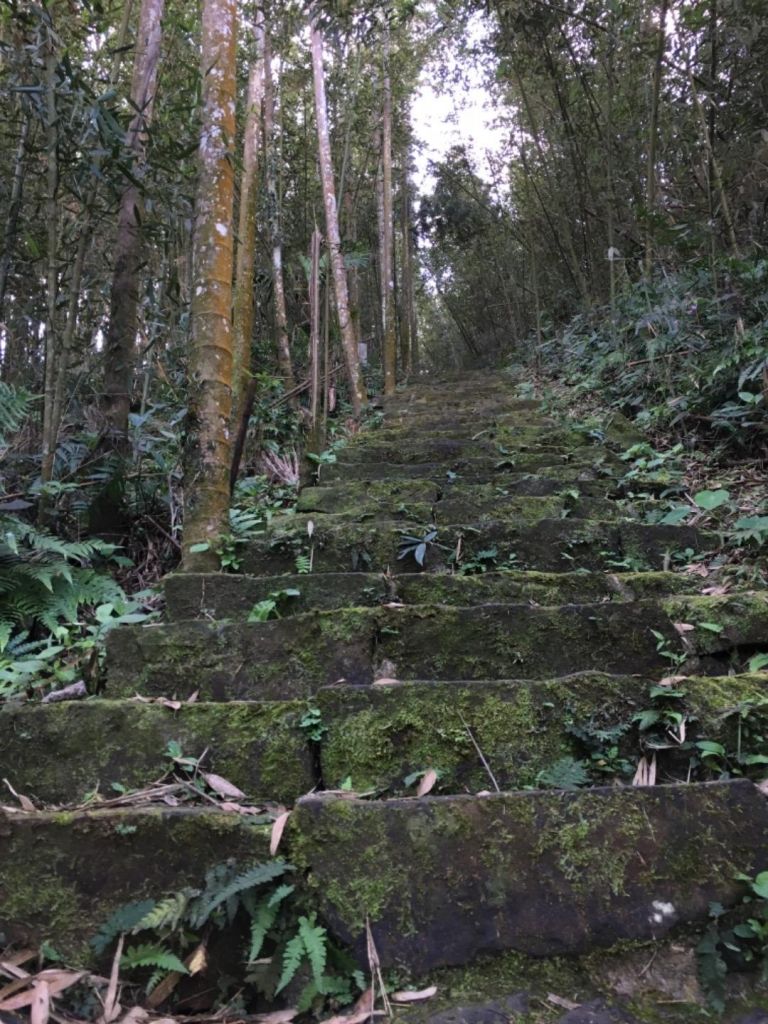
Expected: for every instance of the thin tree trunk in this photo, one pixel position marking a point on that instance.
(348, 339)
(246, 232)
(207, 456)
(51, 213)
(653, 134)
(14, 208)
(387, 229)
(314, 338)
(120, 342)
(725, 206)
(273, 201)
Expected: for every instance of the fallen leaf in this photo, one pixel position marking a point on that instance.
(277, 1016)
(55, 981)
(136, 1015)
(566, 1004)
(415, 997)
(40, 1010)
(763, 787)
(277, 832)
(683, 627)
(174, 705)
(26, 803)
(362, 1011)
(73, 692)
(193, 697)
(715, 591)
(427, 782)
(222, 786)
(672, 680)
(646, 772)
(386, 682)
(111, 1006)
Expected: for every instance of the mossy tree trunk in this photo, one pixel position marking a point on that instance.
(207, 456)
(387, 232)
(348, 338)
(243, 313)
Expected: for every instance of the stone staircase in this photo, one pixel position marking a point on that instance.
(540, 610)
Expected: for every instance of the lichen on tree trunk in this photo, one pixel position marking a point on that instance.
(207, 455)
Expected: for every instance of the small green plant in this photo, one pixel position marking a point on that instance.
(735, 940)
(566, 773)
(303, 564)
(269, 608)
(312, 725)
(675, 658)
(416, 547)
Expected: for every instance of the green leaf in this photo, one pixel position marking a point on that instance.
(152, 955)
(292, 957)
(760, 885)
(758, 663)
(711, 627)
(197, 549)
(710, 500)
(676, 515)
(314, 937)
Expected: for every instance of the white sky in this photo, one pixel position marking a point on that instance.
(452, 112)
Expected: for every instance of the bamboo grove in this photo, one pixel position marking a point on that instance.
(209, 211)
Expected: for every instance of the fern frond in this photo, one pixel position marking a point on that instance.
(122, 920)
(155, 978)
(257, 875)
(152, 955)
(314, 938)
(15, 406)
(293, 954)
(167, 913)
(261, 921)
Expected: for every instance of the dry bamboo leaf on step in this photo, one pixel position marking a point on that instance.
(40, 1010)
(427, 782)
(26, 803)
(222, 786)
(415, 997)
(55, 981)
(277, 1016)
(386, 682)
(646, 772)
(566, 1004)
(277, 832)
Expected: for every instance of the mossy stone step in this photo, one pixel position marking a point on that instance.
(286, 659)
(550, 545)
(443, 880)
(259, 747)
(63, 873)
(325, 497)
(226, 596)
(586, 463)
(379, 736)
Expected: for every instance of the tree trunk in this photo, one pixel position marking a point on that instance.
(52, 215)
(246, 230)
(120, 342)
(348, 339)
(273, 203)
(409, 305)
(12, 216)
(207, 455)
(387, 229)
(653, 133)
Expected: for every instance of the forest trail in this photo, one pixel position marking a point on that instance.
(482, 605)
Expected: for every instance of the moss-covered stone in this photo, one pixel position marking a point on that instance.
(721, 622)
(258, 747)
(380, 737)
(62, 876)
(540, 873)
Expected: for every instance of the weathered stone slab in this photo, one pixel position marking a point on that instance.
(550, 545)
(379, 736)
(63, 874)
(446, 879)
(259, 747)
(290, 658)
(228, 596)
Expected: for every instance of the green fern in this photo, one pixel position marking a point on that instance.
(257, 875)
(15, 406)
(151, 955)
(263, 916)
(567, 773)
(155, 978)
(293, 954)
(167, 914)
(315, 940)
(124, 919)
